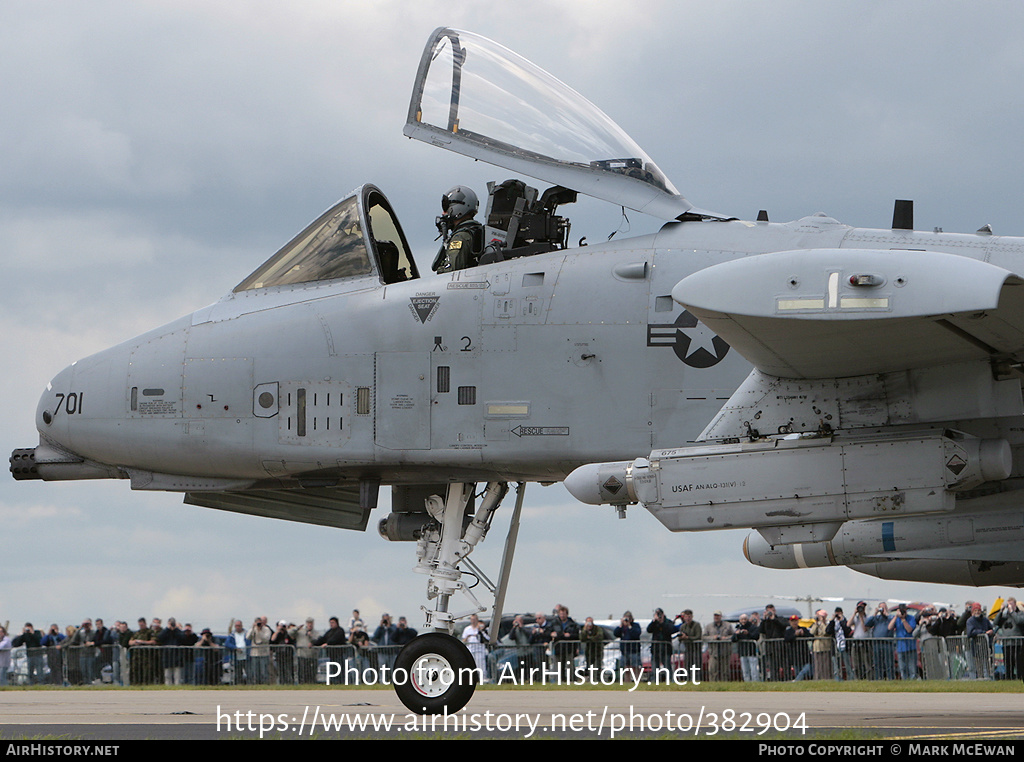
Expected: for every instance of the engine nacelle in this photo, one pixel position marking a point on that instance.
(797, 489)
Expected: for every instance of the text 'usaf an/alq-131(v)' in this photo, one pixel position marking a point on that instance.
(881, 426)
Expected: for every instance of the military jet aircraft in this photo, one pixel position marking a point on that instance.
(852, 396)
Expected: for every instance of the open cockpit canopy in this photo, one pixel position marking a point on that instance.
(478, 98)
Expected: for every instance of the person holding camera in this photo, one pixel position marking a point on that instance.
(404, 634)
(1010, 621)
(54, 656)
(821, 645)
(209, 657)
(902, 627)
(840, 631)
(305, 637)
(690, 634)
(882, 636)
(747, 631)
(282, 646)
(540, 639)
(661, 631)
(384, 639)
(628, 633)
(259, 651)
(33, 642)
(798, 655)
(860, 648)
(979, 632)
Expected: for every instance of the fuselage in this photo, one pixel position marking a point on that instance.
(517, 370)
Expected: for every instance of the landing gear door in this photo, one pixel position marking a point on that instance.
(403, 400)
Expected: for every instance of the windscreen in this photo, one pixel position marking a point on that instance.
(332, 247)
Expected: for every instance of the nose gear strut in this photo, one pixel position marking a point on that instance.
(442, 674)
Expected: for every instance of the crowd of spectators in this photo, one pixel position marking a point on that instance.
(880, 644)
(175, 654)
(906, 643)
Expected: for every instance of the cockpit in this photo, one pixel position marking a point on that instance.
(360, 236)
(478, 98)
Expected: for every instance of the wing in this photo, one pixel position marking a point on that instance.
(835, 313)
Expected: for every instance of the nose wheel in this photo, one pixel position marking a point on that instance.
(440, 674)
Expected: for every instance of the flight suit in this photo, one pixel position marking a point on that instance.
(463, 248)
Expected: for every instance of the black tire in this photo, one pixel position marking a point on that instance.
(435, 672)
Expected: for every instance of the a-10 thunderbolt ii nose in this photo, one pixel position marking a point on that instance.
(85, 414)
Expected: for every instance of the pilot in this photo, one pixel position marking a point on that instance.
(461, 236)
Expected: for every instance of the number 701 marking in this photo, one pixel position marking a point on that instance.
(72, 403)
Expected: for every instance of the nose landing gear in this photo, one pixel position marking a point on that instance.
(438, 672)
(441, 674)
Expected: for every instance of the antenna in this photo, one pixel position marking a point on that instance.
(903, 215)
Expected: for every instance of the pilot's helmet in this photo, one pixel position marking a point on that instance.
(459, 202)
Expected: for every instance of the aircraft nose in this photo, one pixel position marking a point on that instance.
(79, 409)
(85, 415)
(51, 410)
(25, 460)
(77, 435)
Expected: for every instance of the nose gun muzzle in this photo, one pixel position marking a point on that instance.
(51, 464)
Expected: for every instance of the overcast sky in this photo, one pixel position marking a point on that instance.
(153, 153)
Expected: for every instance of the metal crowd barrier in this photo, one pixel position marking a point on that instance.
(932, 658)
